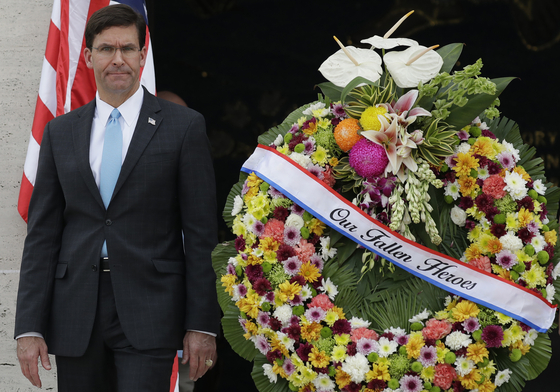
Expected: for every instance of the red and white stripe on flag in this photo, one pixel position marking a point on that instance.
(66, 82)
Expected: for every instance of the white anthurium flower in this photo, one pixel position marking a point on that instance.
(407, 69)
(379, 42)
(340, 69)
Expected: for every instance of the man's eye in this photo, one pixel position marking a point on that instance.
(128, 49)
(106, 49)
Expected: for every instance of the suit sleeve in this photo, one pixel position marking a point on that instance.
(42, 245)
(198, 214)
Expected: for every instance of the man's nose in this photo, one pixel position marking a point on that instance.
(118, 57)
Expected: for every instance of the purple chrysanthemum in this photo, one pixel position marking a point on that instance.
(506, 259)
(297, 210)
(338, 110)
(317, 261)
(294, 128)
(451, 161)
(411, 383)
(274, 193)
(262, 344)
(369, 159)
(366, 346)
(341, 326)
(231, 269)
(533, 227)
(296, 301)
(428, 356)
(315, 314)
(292, 265)
(291, 235)
(258, 228)
(401, 339)
(493, 335)
(269, 296)
(463, 135)
(242, 290)
(263, 318)
(288, 366)
(471, 324)
(309, 146)
(245, 188)
(262, 286)
(316, 170)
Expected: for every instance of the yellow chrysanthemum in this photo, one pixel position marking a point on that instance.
(307, 374)
(465, 163)
(315, 226)
(342, 378)
(441, 352)
(342, 339)
(252, 192)
(238, 228)
(468, 185)
(301, 120)
(489, 369)
(484, 146)
(475, 213)
(369, 120)
(470, 381)
(276, 344)
(464, 310)
(320, 156)
(415, 343)
(477, 352)
(311, 128)
(331, 317)
(289, 290)
(324, 123)
(524, 348)
(379, 371)
(339, 311)
(284, 149)
(249, 304)
(279, 370)
(502, 318)
(473, 252)
(268, 243)
(486, 386)
(270, 257)
(310, 272)
(483, 242)
(253, 181)
(523, 257)
(252, 330)
(551, 237)
(521, 171)
(442, 315)
(254, 260)
(428, 373)
(534, 277)
(311, 331)
(339, 353)
(318, 358)
(333, 161)
(524, 217)
(511, 221)
(228, 281)
(494, 245)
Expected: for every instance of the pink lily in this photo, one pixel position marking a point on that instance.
(403, 111)
(386, 137)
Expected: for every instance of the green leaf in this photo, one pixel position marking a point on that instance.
(331, 90)
(235, 190)
(262, 382)
(353, 84)
(462, 116)
(233, 332)
(220, 256)
(450, 54)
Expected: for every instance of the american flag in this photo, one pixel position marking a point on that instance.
(67, 83)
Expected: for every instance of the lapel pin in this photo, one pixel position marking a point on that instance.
(151, 121)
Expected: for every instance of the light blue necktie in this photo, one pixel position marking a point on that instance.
(111, 162)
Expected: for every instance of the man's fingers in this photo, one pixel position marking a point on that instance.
(29, 350)
(197, 348)
(45, 361)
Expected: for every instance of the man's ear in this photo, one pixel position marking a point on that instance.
(143, 54)
(87, 58)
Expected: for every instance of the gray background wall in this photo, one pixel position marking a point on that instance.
(23, 34)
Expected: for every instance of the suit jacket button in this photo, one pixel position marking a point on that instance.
(94, 268)
(108, 222)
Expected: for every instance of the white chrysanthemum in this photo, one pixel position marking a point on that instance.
(556, 271)
(483, 173)
(464, 365)
(237, 205)
(329, 288)
(294, 220)
(538, 242)
(395, 331)
(456, 340)
(306, 293)
(515, 185)
(249, 220)
(420, 317)
(267, 370)
(327, 252)
(279, 140)
(458, 216)
(386, 347)
(550, 291)
(357, 322)
(285, 340)
(502, 377)
(233, 261)
(323, 383)
(447, 301)
(301, 159)
(512, 150)
(316, 106)
(539, 187)
(257, 252)
(236, 293)
(530, 337)
(463, 147)
(451, 189)
(511, 242)
(283, 313)
(356, 366)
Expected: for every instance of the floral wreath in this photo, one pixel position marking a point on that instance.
(423, 151)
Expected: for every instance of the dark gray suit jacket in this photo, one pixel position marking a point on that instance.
(165, 188)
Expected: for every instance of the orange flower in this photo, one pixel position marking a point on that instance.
(318, 358)
(465, 163)
(477, 352)
(342, 378)
(473, 252)
(311, 331)
(468, 185)
(494, 245)
(309, 272)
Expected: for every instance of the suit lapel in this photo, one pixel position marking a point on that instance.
(148, 122)
(81, 134)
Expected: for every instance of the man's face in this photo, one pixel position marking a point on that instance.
(117, 73)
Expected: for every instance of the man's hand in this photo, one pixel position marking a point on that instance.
(29, 350)
(197, 348)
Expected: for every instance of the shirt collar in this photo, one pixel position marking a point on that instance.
(129, 109)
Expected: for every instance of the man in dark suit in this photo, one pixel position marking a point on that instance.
(108, 284)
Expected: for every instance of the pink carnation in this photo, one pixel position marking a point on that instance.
(321, 301)
(483, 263)
(436, 329)
(360, 333)
(275, 229)
(304, 250)
(444, 375)
(494, 186)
